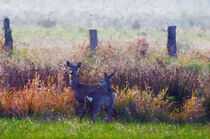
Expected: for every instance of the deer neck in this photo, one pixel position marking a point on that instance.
(74, 82)
(108, 89)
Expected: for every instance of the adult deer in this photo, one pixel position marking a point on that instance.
(80, 90)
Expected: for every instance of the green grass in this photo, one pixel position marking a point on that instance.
(192, 38)
(30, 128)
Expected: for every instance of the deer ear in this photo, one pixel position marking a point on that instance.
(110, 76)
(69, 64)
(79, 65)
(105, 75)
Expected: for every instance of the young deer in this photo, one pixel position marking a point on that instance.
(101, 97)
(80, 90)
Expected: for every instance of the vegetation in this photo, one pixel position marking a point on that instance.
(34, 36)
(150, 86)
(31, 128)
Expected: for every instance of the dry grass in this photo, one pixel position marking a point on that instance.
(36, 98)
(149, 84)
(191, 111)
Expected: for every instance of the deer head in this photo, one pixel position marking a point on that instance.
(73, 69)
(106, 81)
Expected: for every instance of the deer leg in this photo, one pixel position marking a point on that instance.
(115, 114)
(85, 111)
(80, 108)
(109, 115)
(95, 112)
(105, 114)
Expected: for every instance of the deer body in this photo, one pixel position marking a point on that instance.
(80, 90)
(101, 97)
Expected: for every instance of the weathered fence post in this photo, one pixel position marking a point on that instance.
(8, 36)
(93, 40)
(171, 45)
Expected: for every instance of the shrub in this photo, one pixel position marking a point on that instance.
(144, 105)
(191, 110)
(36, 81)
(35, 98)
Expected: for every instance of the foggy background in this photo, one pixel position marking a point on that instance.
(123, 14)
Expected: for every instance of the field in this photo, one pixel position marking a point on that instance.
(34, 36)
(30, 128)
(156, 95)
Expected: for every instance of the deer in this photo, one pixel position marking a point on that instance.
(101, 97)
(81, 90)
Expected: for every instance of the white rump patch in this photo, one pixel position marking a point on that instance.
(89, 98)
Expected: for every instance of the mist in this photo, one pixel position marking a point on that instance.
(122, 14)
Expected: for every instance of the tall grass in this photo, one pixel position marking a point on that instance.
(150, 85)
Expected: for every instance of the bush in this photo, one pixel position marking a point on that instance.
(149, 84)
(192, 110)
(37, 99)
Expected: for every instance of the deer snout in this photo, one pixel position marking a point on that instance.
(102, 83)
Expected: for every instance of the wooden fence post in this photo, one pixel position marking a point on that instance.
(93, 40)
(171, 45)
(8, 36)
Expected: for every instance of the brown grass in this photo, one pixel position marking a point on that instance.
(149, 84)
(36, 98)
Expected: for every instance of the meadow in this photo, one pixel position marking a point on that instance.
(156, 95)
(31, 128)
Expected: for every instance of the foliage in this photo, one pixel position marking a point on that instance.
(36, 98)
(150, 85)
(192, 110)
